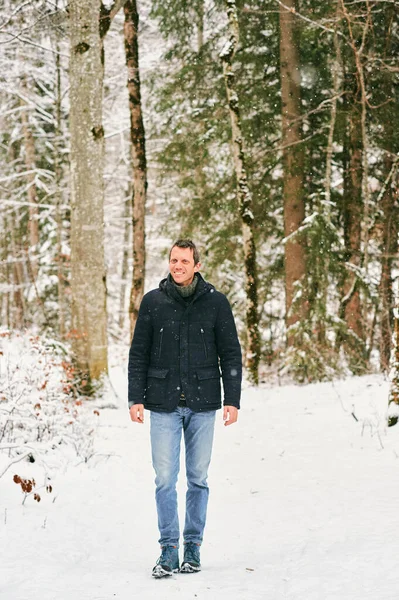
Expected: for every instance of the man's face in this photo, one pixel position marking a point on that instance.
(181, 265)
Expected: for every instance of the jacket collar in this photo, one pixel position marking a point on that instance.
(167, 286)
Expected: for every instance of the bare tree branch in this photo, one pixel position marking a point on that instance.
(306, 19)
(15, 12)
(108, 14)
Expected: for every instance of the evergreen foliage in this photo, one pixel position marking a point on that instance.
(187, 121)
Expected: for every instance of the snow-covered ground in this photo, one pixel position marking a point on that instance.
(303, 506)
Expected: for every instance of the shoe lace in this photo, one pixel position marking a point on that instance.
(191, 552)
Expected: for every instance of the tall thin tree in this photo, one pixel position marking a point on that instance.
(30, 163)
(389, 196)
(351, 309)
(243, 195)
(294, 205)
(139, 160)
(58, 179)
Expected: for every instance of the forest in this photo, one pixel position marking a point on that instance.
(265, 130)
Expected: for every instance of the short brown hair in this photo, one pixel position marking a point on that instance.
(186, 243)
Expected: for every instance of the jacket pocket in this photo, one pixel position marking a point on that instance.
(157, 388)
(208, 373)
(207, 391)
(204, 342)
(157, 373)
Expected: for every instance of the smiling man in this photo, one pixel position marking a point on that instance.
(185, 340)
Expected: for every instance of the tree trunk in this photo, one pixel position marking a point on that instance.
(324, 207)
(125, 257)
(389, 203)
(30, 163)
(350, 308)
(294, 206)
(200, 25)
(19, 309)
(89, 333)
(244, 198)
(58, 177)
(389, 249)
(5, 316)
(336, 73)
(360, 102)
(139, 193)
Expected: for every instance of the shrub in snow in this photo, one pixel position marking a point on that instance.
(27, 487)
(42, 422)
(308, 359)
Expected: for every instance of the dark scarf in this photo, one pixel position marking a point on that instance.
(186, 291)
(197, 287)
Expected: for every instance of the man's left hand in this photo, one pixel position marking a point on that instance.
(230, 415)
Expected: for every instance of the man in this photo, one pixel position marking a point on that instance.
(184, 332)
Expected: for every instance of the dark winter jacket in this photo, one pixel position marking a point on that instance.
(179, 347)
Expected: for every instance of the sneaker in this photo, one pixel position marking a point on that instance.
(167, 563)
(191, 561)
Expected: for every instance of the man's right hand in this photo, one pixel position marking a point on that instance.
(137, 413)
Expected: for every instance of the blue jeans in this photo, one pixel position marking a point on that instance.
(166, 432)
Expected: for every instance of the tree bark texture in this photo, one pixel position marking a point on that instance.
(30, 163)
(389, 249)
(200, 25)
(294, 206)
(89, 334)
(389, 207)
(19, 308)
(139, 161)
(125, 258)
(359, 98)
(336, 73)
(244, 198)
(58, 178)
(5, 273)
(351, 309)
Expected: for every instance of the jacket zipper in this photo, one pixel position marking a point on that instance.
(160, 343)
(203, 341)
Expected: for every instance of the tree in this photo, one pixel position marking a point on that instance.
(328, 127)
(28, 155)
(388, 197)
(30, 163)
(294, 206)
(353, 197)
(243, 197)
(139, 161)
(87, 151)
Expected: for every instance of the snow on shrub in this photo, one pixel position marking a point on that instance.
(42, 421)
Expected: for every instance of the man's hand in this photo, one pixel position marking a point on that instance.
(230, 415)
(137, 413)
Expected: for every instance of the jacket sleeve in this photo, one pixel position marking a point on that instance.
(229, 351)
(139, 355)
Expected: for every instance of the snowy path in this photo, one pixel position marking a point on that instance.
(302, 507)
